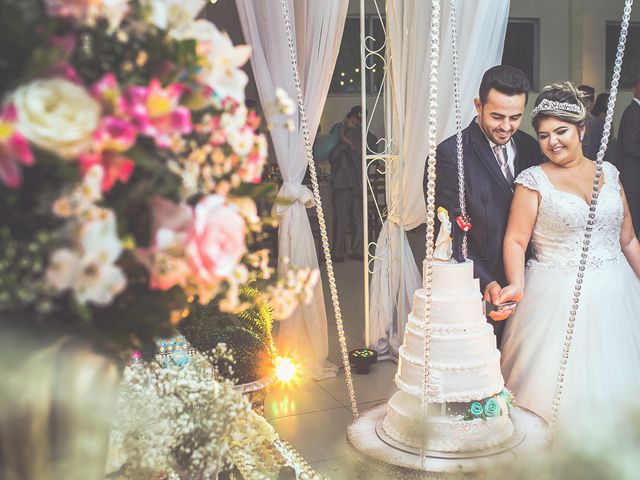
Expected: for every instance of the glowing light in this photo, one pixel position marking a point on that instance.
(341, 82)
(374, 70)
(285, 369)
(342, 74)
(351, 80)
(357, 70)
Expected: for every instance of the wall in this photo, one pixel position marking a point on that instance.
(572, 46)
(572, 42)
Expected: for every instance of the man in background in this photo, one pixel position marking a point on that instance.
(629, 154)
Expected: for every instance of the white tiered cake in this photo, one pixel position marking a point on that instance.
(468, 405)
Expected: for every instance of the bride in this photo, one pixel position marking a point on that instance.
(549, 213)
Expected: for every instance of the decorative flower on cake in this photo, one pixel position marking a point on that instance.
(495, 406)
(492, 408)
(128, 170)
(476, 409)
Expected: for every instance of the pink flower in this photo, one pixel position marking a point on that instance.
(88, 11)
(78, 9)
(166, 260)
(116, 167)
(112, 137)
(216, 239)
(196, 248)
(114, 134)
(14, 149)
(107, 91)
(156, 113)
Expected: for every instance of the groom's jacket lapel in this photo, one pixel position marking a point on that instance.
(487, 158)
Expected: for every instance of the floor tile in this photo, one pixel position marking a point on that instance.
(377, 385)
(340, 468)
(294, 400)
(316, 436)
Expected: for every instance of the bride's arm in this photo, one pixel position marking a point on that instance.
(628, 241)
(522, 218)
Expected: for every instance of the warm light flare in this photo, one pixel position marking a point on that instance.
(285, 369)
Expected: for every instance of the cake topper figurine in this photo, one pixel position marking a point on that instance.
(443, 247)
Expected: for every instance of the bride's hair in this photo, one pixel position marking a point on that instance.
(562, 101)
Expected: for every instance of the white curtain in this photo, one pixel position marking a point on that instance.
(481, 26)
(317, 27)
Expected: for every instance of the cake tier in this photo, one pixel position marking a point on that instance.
(451, 278)
(445, 433)
(451, 383)
(451, 348)
(455, 313)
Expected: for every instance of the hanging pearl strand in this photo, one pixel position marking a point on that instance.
(431, 200)
(316, 194)
(456, 101)
(296, 461)
(592, 213)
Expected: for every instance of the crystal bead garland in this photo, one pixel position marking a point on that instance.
(431, 200)
(321, 221)
(624, 27)
(293, 458)
(456, 102)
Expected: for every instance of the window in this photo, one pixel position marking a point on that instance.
(521, 47)
(346, 76)
(631, 59)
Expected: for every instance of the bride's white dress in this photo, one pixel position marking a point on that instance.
(603, 372)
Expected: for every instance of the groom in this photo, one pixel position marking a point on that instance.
(495, 152)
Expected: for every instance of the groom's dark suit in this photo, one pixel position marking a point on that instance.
(488, 197)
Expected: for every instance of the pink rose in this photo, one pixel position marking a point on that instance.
(166, 259)
(216, 239)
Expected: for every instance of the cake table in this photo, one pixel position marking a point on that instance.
(377, 454)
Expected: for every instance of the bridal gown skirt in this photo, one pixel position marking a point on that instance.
(603, 373)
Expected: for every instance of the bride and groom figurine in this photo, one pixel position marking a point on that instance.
(529, 214)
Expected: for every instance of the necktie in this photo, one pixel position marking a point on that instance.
(501, 154)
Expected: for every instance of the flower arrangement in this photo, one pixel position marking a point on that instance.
(168, 424)
(129, 169)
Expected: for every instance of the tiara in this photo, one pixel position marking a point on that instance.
(549, 105)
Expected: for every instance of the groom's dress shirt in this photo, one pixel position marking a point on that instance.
(509, 149)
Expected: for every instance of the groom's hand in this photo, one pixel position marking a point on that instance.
(492, 294)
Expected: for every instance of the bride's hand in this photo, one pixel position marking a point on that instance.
(511, 293)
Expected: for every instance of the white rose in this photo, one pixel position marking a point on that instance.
(57, 115)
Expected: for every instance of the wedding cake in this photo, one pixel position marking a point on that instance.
(468, 404)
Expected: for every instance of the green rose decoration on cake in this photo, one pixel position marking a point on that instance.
(476, 409)
(491, 408)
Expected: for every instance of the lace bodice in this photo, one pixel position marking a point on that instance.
(558, 233)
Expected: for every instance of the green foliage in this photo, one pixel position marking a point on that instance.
(247, 334)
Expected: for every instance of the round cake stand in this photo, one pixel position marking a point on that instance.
(380, 455)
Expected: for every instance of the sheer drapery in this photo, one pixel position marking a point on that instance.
(317, 26)
(481, 26)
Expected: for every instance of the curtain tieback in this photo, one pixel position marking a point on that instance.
(291, 193)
